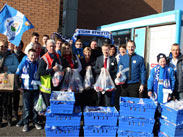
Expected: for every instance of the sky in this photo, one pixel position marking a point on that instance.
(179, 4)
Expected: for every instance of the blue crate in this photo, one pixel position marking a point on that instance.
(100, 116)
(172, 115)
(93, 131)
(136, 124)
(127, 133)
(171, 129)
(62, 131)
(130, 107)
(63, 106)
(64, 119)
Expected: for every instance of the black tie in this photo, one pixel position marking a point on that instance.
(129, 72)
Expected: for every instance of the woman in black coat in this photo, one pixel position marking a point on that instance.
(89, 96)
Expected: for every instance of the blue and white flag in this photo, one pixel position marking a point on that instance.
(13, 24)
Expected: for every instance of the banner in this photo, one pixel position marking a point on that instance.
(95, 33)
(13, 24)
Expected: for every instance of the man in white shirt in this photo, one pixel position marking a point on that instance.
(34, 39)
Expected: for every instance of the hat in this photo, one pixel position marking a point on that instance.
(161, 55)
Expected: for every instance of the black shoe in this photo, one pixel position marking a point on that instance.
(9, 123)
(1, 125)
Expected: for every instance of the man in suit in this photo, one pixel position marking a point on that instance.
(105, 62)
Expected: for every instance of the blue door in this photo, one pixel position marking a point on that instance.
(140, 35)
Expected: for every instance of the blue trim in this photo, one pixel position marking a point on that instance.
(141, 18)
(178, 19)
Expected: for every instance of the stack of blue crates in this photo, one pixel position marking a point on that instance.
(171, 123)
(62, 117)
(136, 117)
(100, 121)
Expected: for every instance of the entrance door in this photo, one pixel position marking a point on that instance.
(140, 35)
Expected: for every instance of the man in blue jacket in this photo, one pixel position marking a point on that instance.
(136, 75)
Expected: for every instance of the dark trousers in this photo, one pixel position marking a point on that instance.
(6, 105)
(88, 98)
(30, 98)
(104, 99)
(130, 90)
(16, 99)
(117, 96)
(46, 98)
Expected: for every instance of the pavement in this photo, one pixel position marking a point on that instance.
(17, 131)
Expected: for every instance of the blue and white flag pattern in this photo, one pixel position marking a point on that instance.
(13, 24)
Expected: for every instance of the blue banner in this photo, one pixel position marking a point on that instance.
(95, 33)
(13, 24)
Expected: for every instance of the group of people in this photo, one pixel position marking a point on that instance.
(35, 68)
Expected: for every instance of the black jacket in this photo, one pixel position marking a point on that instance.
(179, 74)
(86, 64)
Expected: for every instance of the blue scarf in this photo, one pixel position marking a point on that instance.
(166, 80)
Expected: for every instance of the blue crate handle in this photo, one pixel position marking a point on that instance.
(63, 128)
(133, 133)
(101, 127)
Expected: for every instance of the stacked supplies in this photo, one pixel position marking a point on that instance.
(62, 117)
(136, 117)
(171, 123)
(100, 121)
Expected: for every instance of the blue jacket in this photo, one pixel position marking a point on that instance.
(11, 62)
(138, 70)
(27, 71)
(152, 78)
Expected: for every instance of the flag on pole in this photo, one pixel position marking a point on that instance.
(13, 24)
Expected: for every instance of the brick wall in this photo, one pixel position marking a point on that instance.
(43, 14)
(94, 13)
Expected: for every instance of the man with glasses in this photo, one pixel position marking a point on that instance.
(8, 64)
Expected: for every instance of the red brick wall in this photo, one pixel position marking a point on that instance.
(94, 13)
(43, 14)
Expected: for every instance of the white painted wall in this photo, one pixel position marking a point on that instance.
(160, 40)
